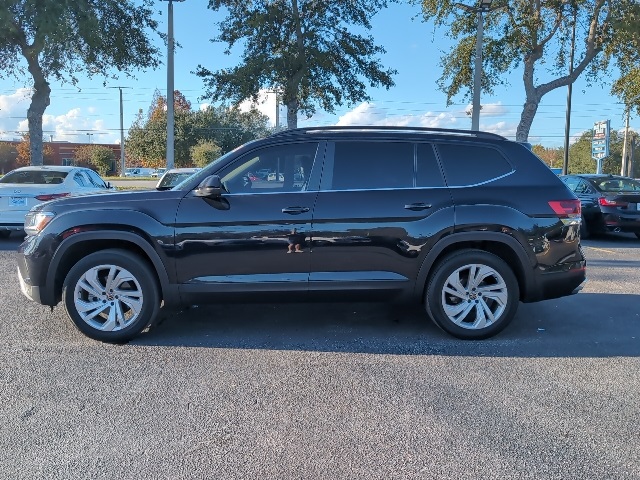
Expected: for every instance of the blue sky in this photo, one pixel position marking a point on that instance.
(413, 49)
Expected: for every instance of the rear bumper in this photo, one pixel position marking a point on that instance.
(621, 223)
(561, 281)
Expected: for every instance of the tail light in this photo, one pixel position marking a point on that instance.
(605, 202)
(566, 208)
(51, 196)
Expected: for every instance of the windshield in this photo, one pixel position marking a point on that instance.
(617, 185)
(171, 179)
(34, 177)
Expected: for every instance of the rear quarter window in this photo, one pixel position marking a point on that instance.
(471, 164)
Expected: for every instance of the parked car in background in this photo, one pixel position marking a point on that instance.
(174, 176)
(609, 203)
(25, 187)
(466, 224)
(138, 172)
(158, 172)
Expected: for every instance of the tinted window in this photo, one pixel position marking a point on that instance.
(428, 173)
(95, 179)
(572, 182)
(80, 179)
(280, 168)
(471, 164)
(368, 165)
(617, 184)
(34, 177)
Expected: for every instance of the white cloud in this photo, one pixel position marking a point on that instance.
(490, 110)
(267, 105)
(72, 126)
(370, 114)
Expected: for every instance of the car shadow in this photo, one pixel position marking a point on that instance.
(608, 327)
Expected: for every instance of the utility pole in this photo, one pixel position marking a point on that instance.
(170, 95)
(626, 169)
(484, 7)
(122, 157)
(567, 124)
(277, 112)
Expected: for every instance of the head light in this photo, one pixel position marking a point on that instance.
(35, 222)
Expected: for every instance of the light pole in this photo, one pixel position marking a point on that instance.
(89, 135)
(567, 122)
(484, 7)
(170, 106)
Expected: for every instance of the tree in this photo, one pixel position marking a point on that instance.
(580, 160)
(301, 49)
(24, 152)
(204, 153)
(98, 156)
(534, 34)
(60, 38)
(8, 156)
(551, 156)
(146, 143)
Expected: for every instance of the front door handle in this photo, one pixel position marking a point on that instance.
(295, 210)
(416, 207)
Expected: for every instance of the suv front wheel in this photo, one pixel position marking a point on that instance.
(111, 295)
(472, 294)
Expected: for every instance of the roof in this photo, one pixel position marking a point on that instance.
(53, 168)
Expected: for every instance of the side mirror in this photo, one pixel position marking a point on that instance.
(211, 187)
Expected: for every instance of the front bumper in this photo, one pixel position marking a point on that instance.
(32, 292)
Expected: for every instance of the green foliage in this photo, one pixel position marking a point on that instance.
(204, 153)
(303, 49)
(228, 128)
(580, 160)
(101, 158)
(58, 39)
(535, 36)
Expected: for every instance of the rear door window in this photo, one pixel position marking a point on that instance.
(372, 165)
(467, 164)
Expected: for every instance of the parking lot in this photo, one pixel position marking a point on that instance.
(329, 390)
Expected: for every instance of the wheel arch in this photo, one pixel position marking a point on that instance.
(503, 246)
(82, 244)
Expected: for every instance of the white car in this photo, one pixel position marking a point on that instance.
(25, 187)
(138, 172)
(158, 172)
(174, 176)
(272, 177)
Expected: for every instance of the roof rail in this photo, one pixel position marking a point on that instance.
(387, 128)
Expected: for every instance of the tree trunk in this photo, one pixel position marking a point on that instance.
(39, 103)
(292, 114)
(526, 119)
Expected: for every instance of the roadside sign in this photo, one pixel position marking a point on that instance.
(600, 140)
(600, 143)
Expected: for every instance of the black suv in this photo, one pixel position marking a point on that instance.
(466, 223)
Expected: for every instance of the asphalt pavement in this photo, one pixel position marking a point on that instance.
(329, 391)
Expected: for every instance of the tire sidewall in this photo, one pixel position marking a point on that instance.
(142, 273)
(433, 300)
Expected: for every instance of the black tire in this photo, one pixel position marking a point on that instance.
(585, 229)
(497, 279)
(5, 233)
(119, 315)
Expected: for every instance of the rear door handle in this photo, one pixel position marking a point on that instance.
(295, 210)
(416, 207)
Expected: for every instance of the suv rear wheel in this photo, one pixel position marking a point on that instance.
(472, 294)
(111, 295)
